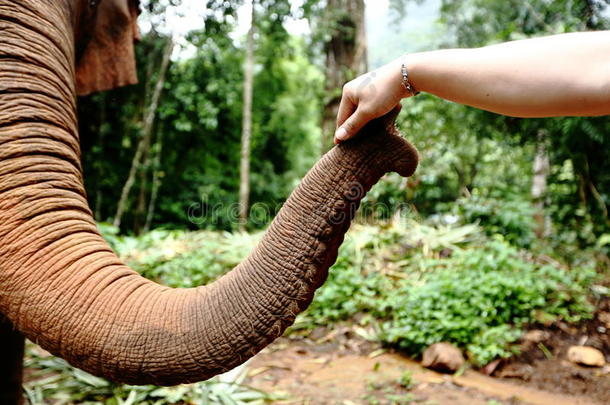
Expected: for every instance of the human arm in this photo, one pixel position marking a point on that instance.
(560, 75)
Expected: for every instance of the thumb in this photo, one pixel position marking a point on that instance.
(351, 126)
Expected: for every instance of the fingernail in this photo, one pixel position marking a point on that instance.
(341, 134)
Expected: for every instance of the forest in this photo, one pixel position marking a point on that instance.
(504, 229)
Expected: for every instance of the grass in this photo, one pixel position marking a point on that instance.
(175, 258)
(53, 381)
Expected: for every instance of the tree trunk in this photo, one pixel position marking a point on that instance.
(140, 207)
(100, 172)
(542, 169)
(144, 143)
(246, 135)
(590, 186)
(346, 57)
(141, 211)
(156, 183)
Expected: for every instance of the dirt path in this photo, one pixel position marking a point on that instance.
(335, 373)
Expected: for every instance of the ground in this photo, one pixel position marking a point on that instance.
(340, 367)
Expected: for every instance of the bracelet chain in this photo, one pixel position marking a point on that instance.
(405, 80)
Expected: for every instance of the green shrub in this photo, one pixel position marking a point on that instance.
(197, 260)
(513, 219)
(479, 298)
(182, 258)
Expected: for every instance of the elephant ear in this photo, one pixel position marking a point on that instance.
(107, 59)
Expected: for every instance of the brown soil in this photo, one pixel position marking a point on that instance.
(542, 364)
(338, 367)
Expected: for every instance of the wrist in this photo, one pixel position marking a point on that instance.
(406, 81)
(406, 88)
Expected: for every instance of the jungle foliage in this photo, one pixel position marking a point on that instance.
(482, 163)
(474, 162)
(198, 126)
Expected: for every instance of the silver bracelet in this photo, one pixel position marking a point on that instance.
(405, 80)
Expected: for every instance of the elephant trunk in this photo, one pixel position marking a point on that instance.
(63, 287)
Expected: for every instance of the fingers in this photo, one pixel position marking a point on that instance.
(351, 126)
(346, 108)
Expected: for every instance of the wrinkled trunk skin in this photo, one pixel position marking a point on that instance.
(63, 287)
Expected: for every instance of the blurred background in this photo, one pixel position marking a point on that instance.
(503, 230)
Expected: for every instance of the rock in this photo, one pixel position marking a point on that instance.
(586, 355)
(535, 336)
(443, 357)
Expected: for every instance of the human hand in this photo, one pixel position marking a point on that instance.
(369, 96)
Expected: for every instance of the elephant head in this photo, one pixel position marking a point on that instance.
(63, 287)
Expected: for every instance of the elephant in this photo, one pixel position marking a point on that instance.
(62, 287)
